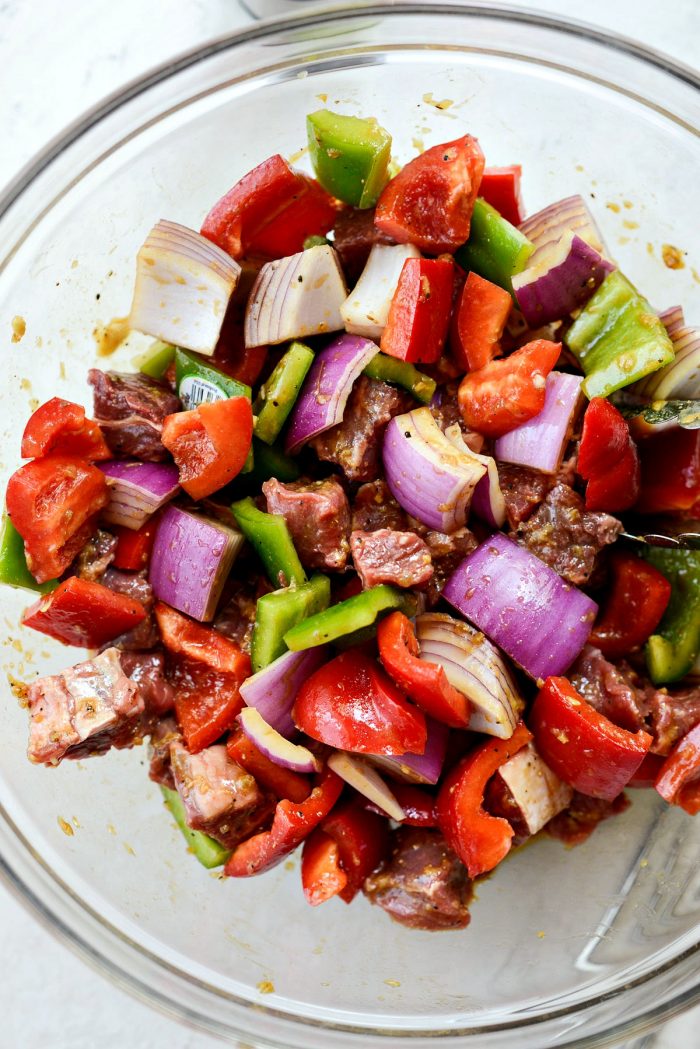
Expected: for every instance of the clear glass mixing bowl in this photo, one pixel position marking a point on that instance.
(566, 947)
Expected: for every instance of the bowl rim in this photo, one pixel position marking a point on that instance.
(49, 917)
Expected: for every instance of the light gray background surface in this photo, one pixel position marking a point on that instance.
(57, 58)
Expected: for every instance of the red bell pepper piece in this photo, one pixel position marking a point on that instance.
(206, 670)
(582, 746)
(670, 473)
(500, 187)
(292, 823)
(608, 458)
(133, 550)
(60, 428)
(648, 772)
(53, 503)
(351, 704)
(480, 840)
(258, 198)
(419, 314)
(430, 202)
(478, 322)
(424, 682)
(678, 782)
(313, 211)
(79, 612)
(505, 393)
(282, 782)
(322, 877)
(231, 355)
(362, 839)
(210, 443)
(637, 599)
(418, 805)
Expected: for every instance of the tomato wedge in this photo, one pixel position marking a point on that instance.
(430, 202)
(478, 322)
(508, 392)
(351, 704)
(210, 444)
(60, 428)
(53, 503)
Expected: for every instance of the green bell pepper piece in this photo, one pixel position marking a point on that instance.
(156, 360)
(277, 396)
(346, 618)
(496, 250)
(349, 156)
(672, 650)
(13, 563)
(271, 461)
(401, 373)
(617, 338)
(269, 536)
(315, 241)
(210, 852)
(278, 612)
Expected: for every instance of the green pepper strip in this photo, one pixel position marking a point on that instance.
(269, 536)
(278, 612)
(277, 396)
(673, 649)
(349, 155)
(156, 360)
(209, 852)
(617, 338)
(13, 562)
(271, 461)
(315, 241)
(347, 618)
(401, 373)
(496, 250)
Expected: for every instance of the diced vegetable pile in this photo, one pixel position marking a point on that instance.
(347, 546)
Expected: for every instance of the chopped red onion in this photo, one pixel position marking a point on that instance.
(274, 746)
(192, 557)
(429, 475)
(562, 279)
(367, 781)
(137, 490)
(273, 689)
(546, 227)
(487, 501)
(681, 378)
(294, 297)
(323, 397)
(522, 605)
(540, 442)
(419, 768)
(476, 668)
(672, 319)
(366, 309)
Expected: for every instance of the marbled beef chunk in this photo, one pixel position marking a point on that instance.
(236, 618)
(385, 556)
(374, 507)
(135, 585)
(355, 444)
(220, 797)
(130, 409)
(566, 536)
(446, 553)
(84, 710)
(354, 236)
(423, 884)
(609, 689)
(580, 819)
(523, 490)
(96, 556)
(165, 732)
(147, 671)
(318, 517)
(672, 715)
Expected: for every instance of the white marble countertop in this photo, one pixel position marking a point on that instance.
(57, 59)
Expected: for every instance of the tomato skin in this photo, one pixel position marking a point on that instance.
(80, 612)
(478, 322)
(500, 187)
(134, 547)
(424, 682)
(430, 202)
(636, 600)
(419, 315)
(583, 747)
(53, 503)
(210, 443)
(282, 782)
(608, 458)
(508, 392)
(60, 428)
(351, 704)
(480, 840)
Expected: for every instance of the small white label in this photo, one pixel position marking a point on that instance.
(195, 390)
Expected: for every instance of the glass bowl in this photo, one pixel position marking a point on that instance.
(566, 947)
